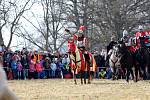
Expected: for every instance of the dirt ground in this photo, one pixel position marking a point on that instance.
(59, 89)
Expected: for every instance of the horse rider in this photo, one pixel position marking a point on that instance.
(110, 47)
(128, 40)
(81, 39)
(143, 34)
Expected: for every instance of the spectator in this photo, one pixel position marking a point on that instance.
(39, 69)
(61, 69)
(46, 65)
(25, 64)
(14, 67)
(108, 72)
(32, 68)
(65, 63)
(53, 67)
(19, 69)
(10, 74)
(102, 74)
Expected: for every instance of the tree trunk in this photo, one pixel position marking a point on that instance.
(1, 39)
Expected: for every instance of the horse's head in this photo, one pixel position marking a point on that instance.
(110, 46)
(115, 49)
(71, 47)
(122, 47)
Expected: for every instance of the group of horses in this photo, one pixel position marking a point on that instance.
(119, 57)
(136, 64)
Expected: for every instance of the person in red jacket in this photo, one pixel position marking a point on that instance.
(140, 34)
(81, 42)
(128, 40)
(80, 38)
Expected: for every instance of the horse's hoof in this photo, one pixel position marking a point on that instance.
(113, 79)
(127, 81)
(75, 83)
(89, 82)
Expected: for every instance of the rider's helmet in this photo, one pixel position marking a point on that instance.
(125, 33)
(81, 31)
(140, 28)
(82, 28)
(112, 38)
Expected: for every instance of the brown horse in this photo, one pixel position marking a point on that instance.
(80, 64)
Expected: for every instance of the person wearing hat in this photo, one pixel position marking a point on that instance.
(128, 40)
(140, 33)
(80, 38)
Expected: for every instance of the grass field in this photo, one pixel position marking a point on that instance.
(58, 89)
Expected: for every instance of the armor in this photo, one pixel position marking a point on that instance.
(126, 38)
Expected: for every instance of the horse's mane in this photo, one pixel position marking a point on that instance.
(110, 45)
(123, 47)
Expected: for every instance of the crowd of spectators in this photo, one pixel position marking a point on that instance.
(26, 64)
(34, 65)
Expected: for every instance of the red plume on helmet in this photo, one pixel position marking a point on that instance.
(82, 28)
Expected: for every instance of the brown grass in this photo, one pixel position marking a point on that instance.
(58, 89)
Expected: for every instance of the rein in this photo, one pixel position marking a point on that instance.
(75, 58)
(114, 62)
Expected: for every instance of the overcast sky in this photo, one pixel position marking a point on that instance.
(36, 9)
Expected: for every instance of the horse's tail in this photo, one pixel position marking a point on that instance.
(93, 63)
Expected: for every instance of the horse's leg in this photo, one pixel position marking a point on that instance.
(88, 72)
(132, 73)
(145, 75)
(74, 76)
(117, 73)
(113, 73)
(136, 73)
(127, 74)
(85, 72)
(143, 72)
(89, 77)
(82, 77)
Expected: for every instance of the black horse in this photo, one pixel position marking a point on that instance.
(142, 56)
(126, 60)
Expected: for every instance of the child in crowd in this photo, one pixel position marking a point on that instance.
(39, 69)
(19, 69)
(32, 68)
(108, 72)
(53, 67)
(10, 74)
(102, 74)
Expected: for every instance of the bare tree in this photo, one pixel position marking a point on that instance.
(116, 15)
(49, 29)
(11, 12)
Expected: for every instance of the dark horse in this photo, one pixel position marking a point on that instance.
(143, 57)
(127, 60)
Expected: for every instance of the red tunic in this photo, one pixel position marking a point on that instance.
(140, 34)
(131, 48)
